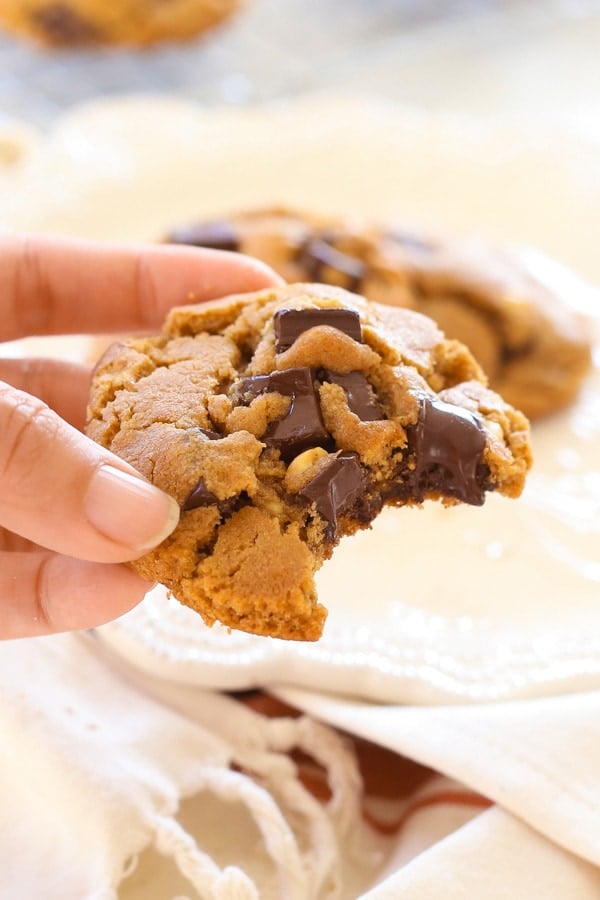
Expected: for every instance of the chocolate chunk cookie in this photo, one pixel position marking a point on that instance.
(282, 421)
(72, 23)
(533, 348)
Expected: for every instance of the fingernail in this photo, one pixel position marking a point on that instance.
(129, 510)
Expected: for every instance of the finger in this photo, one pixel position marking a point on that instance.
(43, 593)
(64, 386)
(61, 490)
(59, 285)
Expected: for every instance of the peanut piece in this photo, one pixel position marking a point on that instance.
(305, 460)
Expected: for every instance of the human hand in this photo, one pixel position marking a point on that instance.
(71, 512)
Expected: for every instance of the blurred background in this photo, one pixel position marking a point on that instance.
(476, 115)
(539, 58)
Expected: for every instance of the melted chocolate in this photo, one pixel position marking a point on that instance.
(337, 486)
(449, 441)
(291, 323)
(360, 395)
(302, 426)
(218, 235)
(317, 256)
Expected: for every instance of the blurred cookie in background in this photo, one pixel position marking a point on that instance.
(534, 348)
(80, 23)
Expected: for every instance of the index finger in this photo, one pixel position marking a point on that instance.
(54, 285)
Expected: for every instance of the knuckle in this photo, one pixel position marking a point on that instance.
(30, 281)
(28, 427)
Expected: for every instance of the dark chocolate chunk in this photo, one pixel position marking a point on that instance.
(218, 235)
(450, 439)
(337, 486)
(64, 27)
(360, 394)
(291, 323)
(317, 256)
(200, 496)
(302, 426)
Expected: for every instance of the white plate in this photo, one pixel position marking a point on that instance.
(432, 605)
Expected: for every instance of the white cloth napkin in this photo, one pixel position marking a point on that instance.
(93, 770)
(98, 758)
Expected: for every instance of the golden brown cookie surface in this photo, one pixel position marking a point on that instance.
(534, 349)
(282, 421)
(72, 23)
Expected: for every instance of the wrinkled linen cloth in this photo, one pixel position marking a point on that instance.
(98, 758)
(493, 857)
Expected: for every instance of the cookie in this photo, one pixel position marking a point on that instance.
(72, 23)
(282, 421)
(534, 349)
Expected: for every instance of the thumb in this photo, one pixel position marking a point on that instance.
(64, 492)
